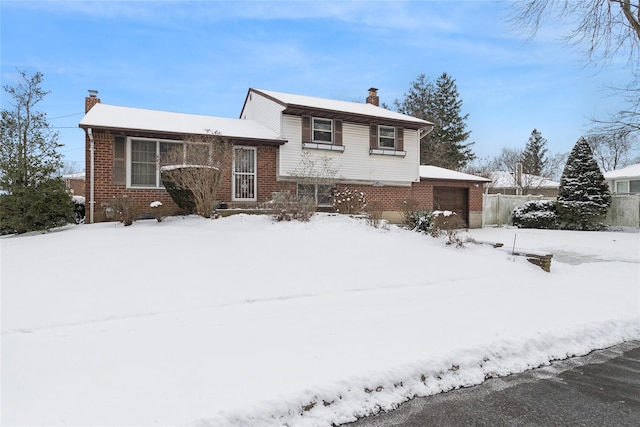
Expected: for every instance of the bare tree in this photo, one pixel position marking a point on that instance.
(507, 161)
(604, 27)
(199, 166)
(612, 150)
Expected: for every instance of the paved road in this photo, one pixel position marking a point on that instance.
(600, 389)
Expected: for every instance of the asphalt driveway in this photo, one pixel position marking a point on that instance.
(600, 389)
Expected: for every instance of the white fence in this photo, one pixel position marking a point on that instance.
(497, 208)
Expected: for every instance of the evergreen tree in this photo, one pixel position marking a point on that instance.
(533, 159)
(584, 196)
(439, 103)
(33, 197)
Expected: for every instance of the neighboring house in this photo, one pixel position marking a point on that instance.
(372, 149)
(625, 180)
(503, 182)
(75, 183)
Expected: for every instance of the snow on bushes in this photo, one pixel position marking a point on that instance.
(349, 201)
(536, 214)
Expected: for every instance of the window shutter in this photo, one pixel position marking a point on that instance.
(306, 129)
(373, 137)
(400, 139)
(119, 160)
(337, 132)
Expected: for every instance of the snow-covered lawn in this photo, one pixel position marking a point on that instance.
(243, 321)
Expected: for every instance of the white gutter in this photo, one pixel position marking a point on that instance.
(91, 181)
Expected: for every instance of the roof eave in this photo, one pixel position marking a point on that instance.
(180, 135)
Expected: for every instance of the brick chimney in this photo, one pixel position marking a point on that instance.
(373, 97)
(91, 100)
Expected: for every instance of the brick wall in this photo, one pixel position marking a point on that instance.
(422, 192)
(105, 190)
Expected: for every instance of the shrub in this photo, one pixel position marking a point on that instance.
(158, 211)
(40, 207)
(536, 214)
(183, 197)
(288, 207)
(79, 209)
(409, 208)
(420, 221)
(374, 213)
(125, 208)
(349, 201)
(447, 223)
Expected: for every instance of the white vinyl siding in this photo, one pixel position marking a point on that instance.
(354, 163)
(264, 111)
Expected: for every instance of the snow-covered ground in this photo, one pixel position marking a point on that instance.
(243, 321)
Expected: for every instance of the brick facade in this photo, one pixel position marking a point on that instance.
(105, 189)
(391, 197)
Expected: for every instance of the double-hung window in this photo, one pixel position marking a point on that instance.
(145, 154)
(386, 137)
(322, 130)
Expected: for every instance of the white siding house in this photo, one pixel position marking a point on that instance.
(367, 144)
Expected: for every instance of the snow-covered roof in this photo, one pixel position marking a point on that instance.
(435, 172)
(117, 117)
(79, 175)
(632, 171)
(360, 108)
(504, 179)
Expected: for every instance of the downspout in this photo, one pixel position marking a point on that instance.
(91, 168)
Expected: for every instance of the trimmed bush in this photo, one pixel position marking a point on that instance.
(183, 197)
(536, 214)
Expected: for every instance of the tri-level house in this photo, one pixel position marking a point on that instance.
(367, 148)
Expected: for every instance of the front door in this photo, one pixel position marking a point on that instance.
(244, 174)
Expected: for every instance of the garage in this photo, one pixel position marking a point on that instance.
(452, 199)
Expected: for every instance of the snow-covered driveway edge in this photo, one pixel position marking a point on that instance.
(349, 400)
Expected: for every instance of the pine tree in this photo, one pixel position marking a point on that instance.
(440, 104)
(534, 159)
(444, 146)
(33, 197)
(584, 196)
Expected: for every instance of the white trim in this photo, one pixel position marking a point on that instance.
(322, 146)
(395, 137)
(255, 175)
(313, 129)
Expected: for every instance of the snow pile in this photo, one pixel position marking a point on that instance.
(243, 321)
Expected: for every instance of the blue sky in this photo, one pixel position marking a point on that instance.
(202, 56)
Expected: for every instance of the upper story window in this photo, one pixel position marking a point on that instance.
(322, 134)
(386, 140)
(322, 130)
(386, 137)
